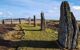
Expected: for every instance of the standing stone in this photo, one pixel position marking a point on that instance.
(11, 21)
(34, 21)
(29, 19)
(75, 33)
(42, 21)
(19, 21)
(68, 28)
(3, 21)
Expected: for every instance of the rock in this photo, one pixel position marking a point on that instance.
(29, 20)
(42, 21)
(34, 21)
(68, 28)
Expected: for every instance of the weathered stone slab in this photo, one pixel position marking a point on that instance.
(68, 28)
(29, 20)
(34, 21)
(42, 21)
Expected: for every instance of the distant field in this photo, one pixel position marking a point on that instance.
(17, 21)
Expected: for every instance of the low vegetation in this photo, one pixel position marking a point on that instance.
(34, 33)
(30, 33)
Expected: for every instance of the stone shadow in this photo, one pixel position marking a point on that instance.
(29, 43)
(32, 30)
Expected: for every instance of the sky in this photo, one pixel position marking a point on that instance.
(28, 8)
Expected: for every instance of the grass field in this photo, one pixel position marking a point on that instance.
(34, 33)
(33, 39)
(37, 39)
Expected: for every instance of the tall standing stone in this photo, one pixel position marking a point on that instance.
(34, 21)
(68, 29)
(42, 21)
(3, 22)
(29, 20)
(11, 21)
(19, 21)
(75, 33)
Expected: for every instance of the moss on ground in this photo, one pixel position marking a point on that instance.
(34, 33)
(35, 37)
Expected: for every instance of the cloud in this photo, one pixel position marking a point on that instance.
(28, 8)
(76, 7)
(6, 14)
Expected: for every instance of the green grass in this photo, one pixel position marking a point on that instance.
(34, 33)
